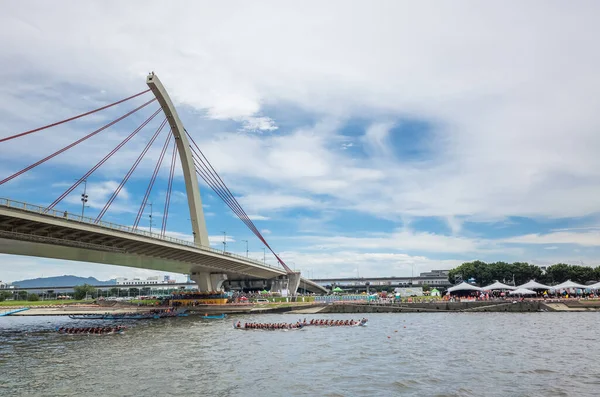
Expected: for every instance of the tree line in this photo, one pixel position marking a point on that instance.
(79, 292)
(521, 272)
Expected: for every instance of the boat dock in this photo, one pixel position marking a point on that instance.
(12, 311)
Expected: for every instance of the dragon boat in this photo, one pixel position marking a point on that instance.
(90, 331)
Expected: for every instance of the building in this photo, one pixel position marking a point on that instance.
(433, 278)
(436, 274)
(139, 281)
(4, 285)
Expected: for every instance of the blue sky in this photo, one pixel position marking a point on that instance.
(378, 140)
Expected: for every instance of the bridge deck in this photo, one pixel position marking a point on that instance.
(29, 230)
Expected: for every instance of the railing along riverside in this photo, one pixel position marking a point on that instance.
(71, 217)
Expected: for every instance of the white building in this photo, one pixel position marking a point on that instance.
(138, 281)
(4, 285)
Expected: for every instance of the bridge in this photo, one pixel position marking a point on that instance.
(44, 231)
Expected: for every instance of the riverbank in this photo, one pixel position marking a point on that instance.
(66, 310)
(333, 308)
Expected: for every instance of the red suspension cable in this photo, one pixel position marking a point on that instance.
(217, 184)
(130, 172)
(222, 187)
(152, 180)
(109, 155)
(72, 118)
(230, 199)
(16, 174)
(163, 229)
(210, 179)
(211, 182)
(243, 217)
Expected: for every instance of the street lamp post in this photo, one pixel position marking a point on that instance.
(84, 198)
(264, 255)
(224, 242)
(150, 217)
(246, 241)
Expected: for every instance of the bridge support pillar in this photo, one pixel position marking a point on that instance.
(209, 281)
(294, 282)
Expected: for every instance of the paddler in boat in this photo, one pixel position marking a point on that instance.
(239, 324)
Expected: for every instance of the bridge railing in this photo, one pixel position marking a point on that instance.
(114, 226)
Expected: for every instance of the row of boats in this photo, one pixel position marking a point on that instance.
(139, 316)
(300, 324)
(155, 314)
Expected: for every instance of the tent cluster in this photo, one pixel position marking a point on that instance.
(524, 289)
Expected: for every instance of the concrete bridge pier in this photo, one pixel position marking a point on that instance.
(293, 282)
(209, 281)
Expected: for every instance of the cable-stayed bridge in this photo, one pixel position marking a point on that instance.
(49, 232)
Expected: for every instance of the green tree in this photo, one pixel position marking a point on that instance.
(22, 295)
(33, 297)
(597, 274)
(487, 273)
(4, 295)
(582, 274)
(478, 270)
(114, 291)
(523, 272)
(558, 273)
(81, 291)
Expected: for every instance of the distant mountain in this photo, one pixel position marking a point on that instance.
(61, 281)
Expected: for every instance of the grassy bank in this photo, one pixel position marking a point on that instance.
(42, 303)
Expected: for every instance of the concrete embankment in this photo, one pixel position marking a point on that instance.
(194, 310)
(341, 308)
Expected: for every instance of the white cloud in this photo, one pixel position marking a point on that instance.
(258, 217)
(344, 263)
(376, 139)
(265, 231)
(259, 124)
(506, 137)
(218, 239)
(403, 240)
(588, 239)
(257, 202)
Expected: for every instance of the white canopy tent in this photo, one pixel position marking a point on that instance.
(594, 286)
(497, 285)
(464, 287)
(522, 291)
(569, 284)
(533, 285)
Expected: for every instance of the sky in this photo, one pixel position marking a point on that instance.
(364, 138)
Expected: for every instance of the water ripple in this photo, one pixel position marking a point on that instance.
(445, 354)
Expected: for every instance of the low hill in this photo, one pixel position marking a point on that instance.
(61, 281)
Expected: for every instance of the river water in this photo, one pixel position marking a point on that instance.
(453, 354)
